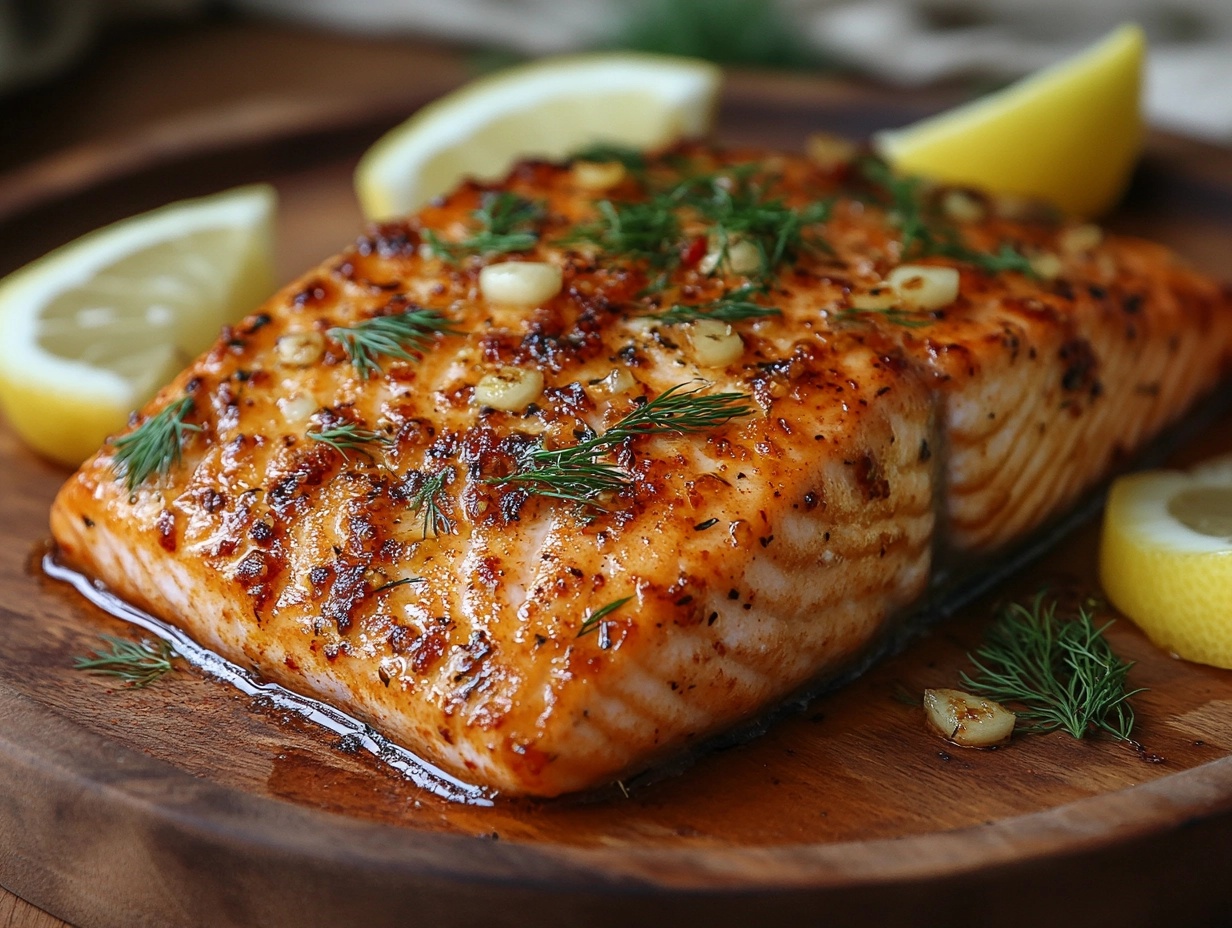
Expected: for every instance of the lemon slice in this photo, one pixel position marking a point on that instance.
(93, 329)
(1166, 558)
(1069, 134)
(546, 109)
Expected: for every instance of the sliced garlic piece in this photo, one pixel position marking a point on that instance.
(511, 388)
(620, 380)
(742, 257)
(520, 283)
(298, 407)
(924, 286)
(714, 343)
(967, 720)
(1046, 266)
(300, 349)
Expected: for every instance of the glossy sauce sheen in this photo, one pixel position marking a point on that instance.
(758, 556)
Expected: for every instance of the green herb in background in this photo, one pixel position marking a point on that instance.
(138, 664)
(753, 33)
(1060, 671)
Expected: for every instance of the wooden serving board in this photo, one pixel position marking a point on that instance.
(189, 804)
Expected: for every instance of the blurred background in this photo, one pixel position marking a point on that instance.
(900, 42)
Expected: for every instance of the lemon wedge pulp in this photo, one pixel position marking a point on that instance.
(1069, 134)
(91, 330)
(549, 108)
(1166, 558)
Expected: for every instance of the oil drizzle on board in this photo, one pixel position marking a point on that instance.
(355, 733)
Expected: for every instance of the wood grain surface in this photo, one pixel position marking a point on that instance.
(189, 804)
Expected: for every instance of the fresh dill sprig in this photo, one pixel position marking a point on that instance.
(155, 446)
(425, 502)
(575, 474)
(138, 664)
(737, 206)
(647, 230)
(393, 336)
(595, 618)
(348, 437)
(1061, 671)
(733, 306)
(922, 233)
(634, 160)
(506, 222)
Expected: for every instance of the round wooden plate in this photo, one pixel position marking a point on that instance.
(189, 804)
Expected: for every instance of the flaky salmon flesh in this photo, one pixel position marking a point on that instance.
(565, 474)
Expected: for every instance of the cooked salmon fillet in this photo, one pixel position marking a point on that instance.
(548, 536)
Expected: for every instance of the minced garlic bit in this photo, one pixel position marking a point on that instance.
(967, 720)
(300, 349)
(714, 343)
(924, 286)
(620, 380)
(520, 283)
(598, 175)
(511, 388)
(298, 407)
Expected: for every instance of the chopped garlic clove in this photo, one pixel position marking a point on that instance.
(598, 176)
(742, 257)
(511, 388)
(1077, 240)
(714, 343)
(924, 286)
(520, 283)
(962, 206)
(300, 349)
(967, 720)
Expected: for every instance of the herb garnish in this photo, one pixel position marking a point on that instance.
(425, 502)
(593, 620)
(507, 222)
(732, 306)
(924, 233)
(155, 446)
(390, 336)
(138, 664)
(348, 436)
(575, 475)
(633, 159)
(646, 230)
(737, 206)
(1062, 671)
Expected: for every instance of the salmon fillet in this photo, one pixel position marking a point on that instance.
(504, 542)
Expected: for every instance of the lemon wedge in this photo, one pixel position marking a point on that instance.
(1069, 134)
(93, 329)
(548, 109)
(1166, 558)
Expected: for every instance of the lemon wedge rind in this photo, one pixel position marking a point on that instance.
(545, 109)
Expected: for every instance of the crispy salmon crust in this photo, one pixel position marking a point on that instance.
(734, 565)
